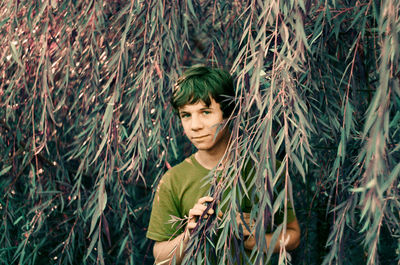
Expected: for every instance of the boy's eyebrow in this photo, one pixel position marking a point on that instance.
(181, 112)
(204, 108)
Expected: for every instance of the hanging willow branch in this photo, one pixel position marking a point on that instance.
(86, 129)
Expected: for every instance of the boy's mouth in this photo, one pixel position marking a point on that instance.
(199, 137)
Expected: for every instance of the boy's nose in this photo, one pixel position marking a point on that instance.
(196, 123)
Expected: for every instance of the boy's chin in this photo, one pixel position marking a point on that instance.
(202, 147)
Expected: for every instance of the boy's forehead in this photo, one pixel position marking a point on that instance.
(199, 104)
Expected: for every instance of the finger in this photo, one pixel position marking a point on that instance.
(244, 224)
(220, 214)
(205, 199)
(243, 218)
(200, 207)
(191, 226)
(246, 232)
(244, 229)
(244, 215)
(239, 219)
(192, 219)
(195, 212)
(200, 210)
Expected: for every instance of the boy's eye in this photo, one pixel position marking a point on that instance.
(184, 115)
(206, 112)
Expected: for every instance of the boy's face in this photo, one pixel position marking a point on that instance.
(200, 124)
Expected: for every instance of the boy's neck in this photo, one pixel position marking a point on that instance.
(209, 159)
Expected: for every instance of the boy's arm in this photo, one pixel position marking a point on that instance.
(164, 251)
(292, 236)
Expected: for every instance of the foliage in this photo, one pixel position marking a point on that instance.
(86, 130)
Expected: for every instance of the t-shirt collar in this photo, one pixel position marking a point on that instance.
(198, 165)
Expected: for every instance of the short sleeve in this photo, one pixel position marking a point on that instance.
(164, 207)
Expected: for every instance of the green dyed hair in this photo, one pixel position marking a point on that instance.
(201, 83)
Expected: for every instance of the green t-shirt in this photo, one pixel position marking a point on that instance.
(178, 191)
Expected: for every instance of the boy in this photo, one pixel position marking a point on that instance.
(202, 99)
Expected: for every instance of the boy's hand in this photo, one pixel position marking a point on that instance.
(239, 221)
(249, 239)
(198, 210)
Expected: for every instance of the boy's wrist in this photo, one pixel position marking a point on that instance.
(186, 235)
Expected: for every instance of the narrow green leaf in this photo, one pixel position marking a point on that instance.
(5, 170)
(15, 54)
(123, 246)
(93, 241)
(298, 166)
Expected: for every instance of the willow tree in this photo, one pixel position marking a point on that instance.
(86, 130)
